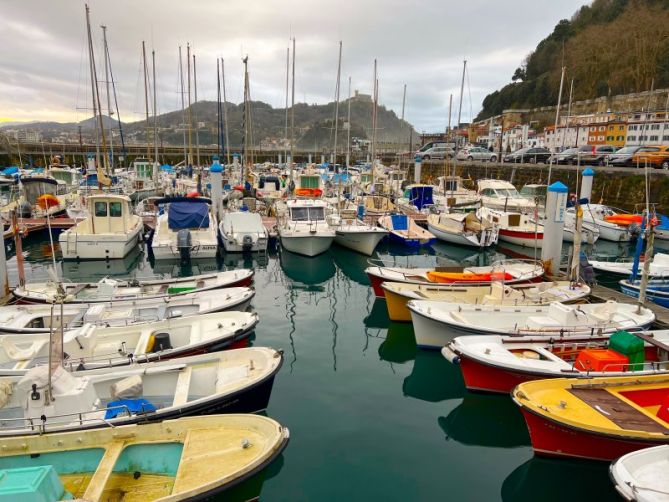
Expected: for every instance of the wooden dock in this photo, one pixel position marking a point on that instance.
(603, 294)
(28, 225)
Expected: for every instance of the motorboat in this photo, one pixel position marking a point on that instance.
(599, 418)
(242, 231)
(657, 290)
(303, 228)
(596, 215)
(437, 323)
(514, 227)
(111, 230)
(404, 230)
(398, 294)
(142, 180)
(43, 318)
(377, 205)
(187, 230)
(353, 233)
(40, 197)
(450, 193)
(502, 195)
(493, 363)
(465, 229)
(659, 267)
(232, 381)
(108, 289)
(93, 346)
(642, 474)
(509, 271)
(182, 459)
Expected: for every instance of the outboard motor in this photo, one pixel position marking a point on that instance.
(25, 209)
(247, 243)
(586, 271)
(184, 244)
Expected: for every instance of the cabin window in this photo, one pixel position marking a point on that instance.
(316, 213)
(299, 214)
(115, 209)
(100, 209)
(309, 182)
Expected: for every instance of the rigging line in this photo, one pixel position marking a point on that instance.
(118, 114)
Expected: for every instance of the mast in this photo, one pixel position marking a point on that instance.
(462, 90)
(285, 147)
(337, 108)
(571, 93)
(292, 119)
(146, 101)
(190, 112)
(155, 117)
(218, 107)
(97, 108)
(245, 125)
(404, 100)
(225, 113)
(557, 117)
(183, 106)
(91, 66)
(109, 108)
(197, 129)
(375, 95)
(118, 114)
(348, 129)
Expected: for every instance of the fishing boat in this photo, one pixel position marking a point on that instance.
(596, 214)
(355, 234)
(657, 290)
(502, 195)
(233, 381)
(92, 346)
(40, 196)
(437, 323)
(38, 318)
(398, 294)
(599, 418)
(190, 458)
(404, 230)
(494, 363)
(242, 232)
(112, 290)
(510, 271)
(417, 198)
(187, 230)
(110, 231)
(466, 229)
(303, 228)
(642, 475)
(516, 228)
(659, 267)
(142, 183)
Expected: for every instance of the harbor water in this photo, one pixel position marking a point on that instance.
(371, 417)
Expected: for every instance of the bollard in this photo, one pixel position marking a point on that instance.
(418, 162)
(551, 248)
(216, 179)
(587, 177)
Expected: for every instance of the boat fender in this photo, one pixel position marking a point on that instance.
(450, 356)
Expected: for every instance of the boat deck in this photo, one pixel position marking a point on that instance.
(603, 294)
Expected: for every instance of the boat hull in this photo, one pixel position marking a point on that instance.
(431, 334)
(361, 242)
(489, 378)
(397, 307)
(656, 296)
(459, 239)
(410, 241)
(307, 245)
(524, 239)
(169, 252)
(97, 247)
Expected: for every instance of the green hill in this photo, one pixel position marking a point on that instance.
(608, 47)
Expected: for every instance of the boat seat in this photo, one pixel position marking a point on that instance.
(105, 468)
(15, 353)
(183, 386)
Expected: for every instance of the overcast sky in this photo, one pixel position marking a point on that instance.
(44, 65)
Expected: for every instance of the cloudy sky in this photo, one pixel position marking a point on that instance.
(420, 43)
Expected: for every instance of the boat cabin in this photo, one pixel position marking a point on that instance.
(300, 210)
(534, 192)
(143, 169)
(109, 214)
(497, 189)
(419, 195)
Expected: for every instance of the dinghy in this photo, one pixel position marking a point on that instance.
(185, 459)
(494, 363)
(38, 318)
(398, 294)
(437, 323)
(91, 346)
(404, 230)
(243, 232)
(599, 418)
(657, 290)
(113, 290)
(596, 214)
(511, 271)
(233, 381)
(642, 475)
(465, 229)
(658, 268)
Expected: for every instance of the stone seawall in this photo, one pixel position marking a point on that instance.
(618, 187)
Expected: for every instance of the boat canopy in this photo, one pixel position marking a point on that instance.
(267, 181)
(188, 215)
(420, 195)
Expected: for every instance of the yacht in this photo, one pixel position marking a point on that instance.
(186, 230)
(499, 194)
(355, 234)
(110, 231)
(303, 228)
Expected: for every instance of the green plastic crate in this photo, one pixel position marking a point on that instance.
(31, 484)
(629, 345)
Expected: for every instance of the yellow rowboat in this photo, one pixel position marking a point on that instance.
(596, 418)
(185, 459)
(398, 294)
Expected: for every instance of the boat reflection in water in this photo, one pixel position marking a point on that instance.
(486, 420)
(433, 378)
(352, 264)
(255, 261)
(94, 270)
(399, 345)
(251, 488)
(174, 268)
(309, 271)
(551, 480)
(378, 315)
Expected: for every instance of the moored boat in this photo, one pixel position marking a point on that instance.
(355, 234)
(466, 229)
(303, 228)
(659, 267)
(243, 231)
(657, 290)
(404, 230)
(642, 475)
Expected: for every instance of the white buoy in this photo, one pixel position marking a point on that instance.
(418, 163)
(309, 159)
(551, 248)
(587, 178)
(216, 180)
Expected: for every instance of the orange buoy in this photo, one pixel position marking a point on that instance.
(47, 200)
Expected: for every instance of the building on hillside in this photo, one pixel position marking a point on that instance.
(596, 134)
(616, 133)
(648, 128)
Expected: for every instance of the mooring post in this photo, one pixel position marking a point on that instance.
(551, 248)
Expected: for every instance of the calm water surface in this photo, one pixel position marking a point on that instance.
(371, 417)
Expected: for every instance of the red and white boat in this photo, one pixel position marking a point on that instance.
(516, 228)
(510, 271)
(498, 363)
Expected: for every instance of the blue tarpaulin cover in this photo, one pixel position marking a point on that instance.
(115, 408)
(188, 215)
(400, 221)
(421, 196)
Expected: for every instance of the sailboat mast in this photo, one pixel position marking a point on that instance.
(92, 69)
(183, 106)
(336, 124)
(225, 113)
(462, 91)
(404, 101)
(109, 108)
(146, 102)
(96, 93)
(118, 114)
(197, 128)
(348, 129)
(285, 135)
(292, 119)
(244, 117)
(375, 91)
(557, 118)
(190, 112)
(218, 107)
(155, 117)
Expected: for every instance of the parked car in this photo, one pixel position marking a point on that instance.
(429, 145)
(476, 153)
(529, 155)
(598, 155)
(623, 157)
(565, 156)
(437, 152)
(653, 156)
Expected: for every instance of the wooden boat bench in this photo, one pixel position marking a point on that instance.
(182, 387)
(104, 471)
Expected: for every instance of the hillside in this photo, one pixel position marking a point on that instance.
(609, 47)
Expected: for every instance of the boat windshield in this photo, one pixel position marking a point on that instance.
(307, 213)
(507, 192)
